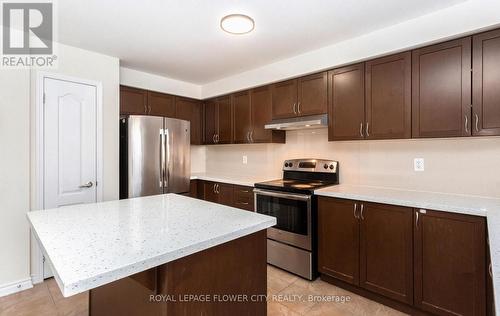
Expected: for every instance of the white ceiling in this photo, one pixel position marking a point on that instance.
(181, 39)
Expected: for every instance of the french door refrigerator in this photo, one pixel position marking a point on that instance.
(154, 156)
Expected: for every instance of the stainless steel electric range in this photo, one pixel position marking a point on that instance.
(292, 242)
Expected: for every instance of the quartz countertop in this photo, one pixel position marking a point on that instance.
(232, 179)
(90, 245)
(464, 204)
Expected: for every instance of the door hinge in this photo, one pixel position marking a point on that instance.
(44, 98)
(43, 259)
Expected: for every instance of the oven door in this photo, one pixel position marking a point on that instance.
(293, 216)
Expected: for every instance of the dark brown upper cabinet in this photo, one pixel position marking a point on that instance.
(386, 240)
(242, 117)
(261, 111)
(218, 121)
(133, 101)
(251, 112)
(346, 115)
(450, 263)
(388, 97)
(161, 104)
(441, 90)
(191, 110)
(486, 84)
(224, 120)
(300, 97)
(312, 94)
(284, 99)
(209, 116)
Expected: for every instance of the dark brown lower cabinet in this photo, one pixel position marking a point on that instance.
(338, 239)
(386, 250)
(450, 263)
(243, 197)
(418, 261)
(217, 192)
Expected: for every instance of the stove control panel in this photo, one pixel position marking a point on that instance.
(311, 165)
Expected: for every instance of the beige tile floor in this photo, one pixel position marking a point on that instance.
(288, 295)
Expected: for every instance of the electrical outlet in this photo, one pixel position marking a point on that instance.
(418, 164)
(245, 160)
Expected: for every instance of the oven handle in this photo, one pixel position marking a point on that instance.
(300, 197)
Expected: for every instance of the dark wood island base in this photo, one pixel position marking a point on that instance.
(228, 279)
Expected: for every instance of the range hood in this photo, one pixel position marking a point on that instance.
(304, 122)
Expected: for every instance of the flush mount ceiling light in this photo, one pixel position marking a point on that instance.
(237, 24)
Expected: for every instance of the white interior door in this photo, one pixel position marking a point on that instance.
(70, 145)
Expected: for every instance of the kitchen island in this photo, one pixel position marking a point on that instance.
(157, 255)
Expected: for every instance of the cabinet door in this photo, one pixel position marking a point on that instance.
(161, 104)
(225, 193)
(338, 239)
(210, 122)
(312, 94)
(193, 189)
(284, 96)
(346, 116)
(486, 84)
(190, 110)
(261, 115)
(386, 250)
(224, 120)
(133, 101)
(242, 117)
(243, 197)
(441, 90)
(450, 263)
(210, 192)
(388, 97)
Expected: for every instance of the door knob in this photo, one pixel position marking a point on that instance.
(87, 185)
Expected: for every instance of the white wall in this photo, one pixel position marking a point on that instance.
(15, 175)
(144, 80)
(464, 18)
(456, 165)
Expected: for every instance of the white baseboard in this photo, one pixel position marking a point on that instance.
(36, 278)
(18, 286)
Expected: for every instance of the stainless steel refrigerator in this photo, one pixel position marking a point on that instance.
(154, 156)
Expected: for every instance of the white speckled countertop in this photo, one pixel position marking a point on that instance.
(91, 245)
(232, 179)
(464, 204)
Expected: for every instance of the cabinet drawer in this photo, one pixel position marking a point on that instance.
(243, 197)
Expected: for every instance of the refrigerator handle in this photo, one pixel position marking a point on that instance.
(162, 157)
(167, 140)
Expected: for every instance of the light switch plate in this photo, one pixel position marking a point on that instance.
(418, 164)
(245, 160)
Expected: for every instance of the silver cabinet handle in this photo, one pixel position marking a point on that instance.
(367, 127)
(87, 185)
(355, 209)
(213, 139)
(298, 107)
(217, 138)
(218, 188)
(416, 219)
(466, 123)
(248, 136)
(149, 112)
(145, 109)
(477, 121)
(361, 129)
(490, 270)
(213, 188)
(251, 136)
(362, 209)
(294, 109)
